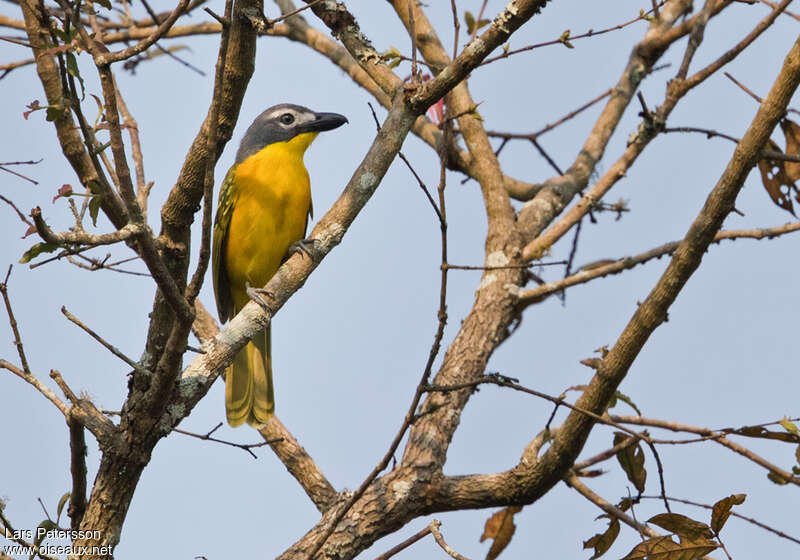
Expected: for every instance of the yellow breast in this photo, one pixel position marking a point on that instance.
(273, 198)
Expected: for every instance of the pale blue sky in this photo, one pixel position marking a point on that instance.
(350, 346)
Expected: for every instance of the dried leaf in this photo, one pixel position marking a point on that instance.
(500, 527)
(664, 548)
(681, 525)
(776, 180)
(791, 131)
(631, 459)
(763, 433)
(603, 541)
(32, 106)
(64, 190)
(722, 510)
(625, 504)
(777, 479)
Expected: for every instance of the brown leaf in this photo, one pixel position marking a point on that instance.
(65, 191)
(664, 548)
(631, 459)
(722, 510)
(603, 541)
(776, 180)
(681, 525)
(33, 106)
(500, 527)
(762, 432)
(791, 131)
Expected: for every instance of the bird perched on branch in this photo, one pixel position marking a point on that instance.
(263, 210)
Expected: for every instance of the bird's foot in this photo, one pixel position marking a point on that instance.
(260, 295)
(304, 247)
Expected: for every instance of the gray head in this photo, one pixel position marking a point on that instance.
(281, 123)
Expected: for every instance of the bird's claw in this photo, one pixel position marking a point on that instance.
(304, 247)
(258, 295)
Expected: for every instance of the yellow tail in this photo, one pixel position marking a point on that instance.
(249, 394)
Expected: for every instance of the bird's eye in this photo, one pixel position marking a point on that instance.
(287, 118)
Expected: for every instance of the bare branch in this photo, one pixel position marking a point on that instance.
(604, 268)
(247, 447)
(574, 482)
(300, 464)
(111, 348)
(105, 59)
(435, 526)
(405, 544)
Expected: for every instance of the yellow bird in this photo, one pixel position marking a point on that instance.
(263, 210)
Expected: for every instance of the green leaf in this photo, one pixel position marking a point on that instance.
(37, 250)
(61, 503)
(391, 53)
(45, 526)
(94, 208)
(72, 70)
(53, 112)
(789, 426)
(624, 398)
(469, 19)
(722, 510)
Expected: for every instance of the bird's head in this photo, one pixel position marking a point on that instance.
(286, 123)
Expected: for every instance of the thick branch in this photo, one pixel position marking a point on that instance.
(300, 464)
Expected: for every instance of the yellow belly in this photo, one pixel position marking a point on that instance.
(270, 213)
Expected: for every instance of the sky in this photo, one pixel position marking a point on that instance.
(349, 348)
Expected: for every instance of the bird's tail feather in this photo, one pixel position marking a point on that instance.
(249, 393)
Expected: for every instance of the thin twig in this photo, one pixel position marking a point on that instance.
(248, 447)
(561, 39)
(405, 544)
(549, 127)
(434, 527)
(603, 268)
(108, 346)
(13, 322)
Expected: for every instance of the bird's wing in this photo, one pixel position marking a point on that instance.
(222, 289)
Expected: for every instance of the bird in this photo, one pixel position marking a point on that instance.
(262, 214)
